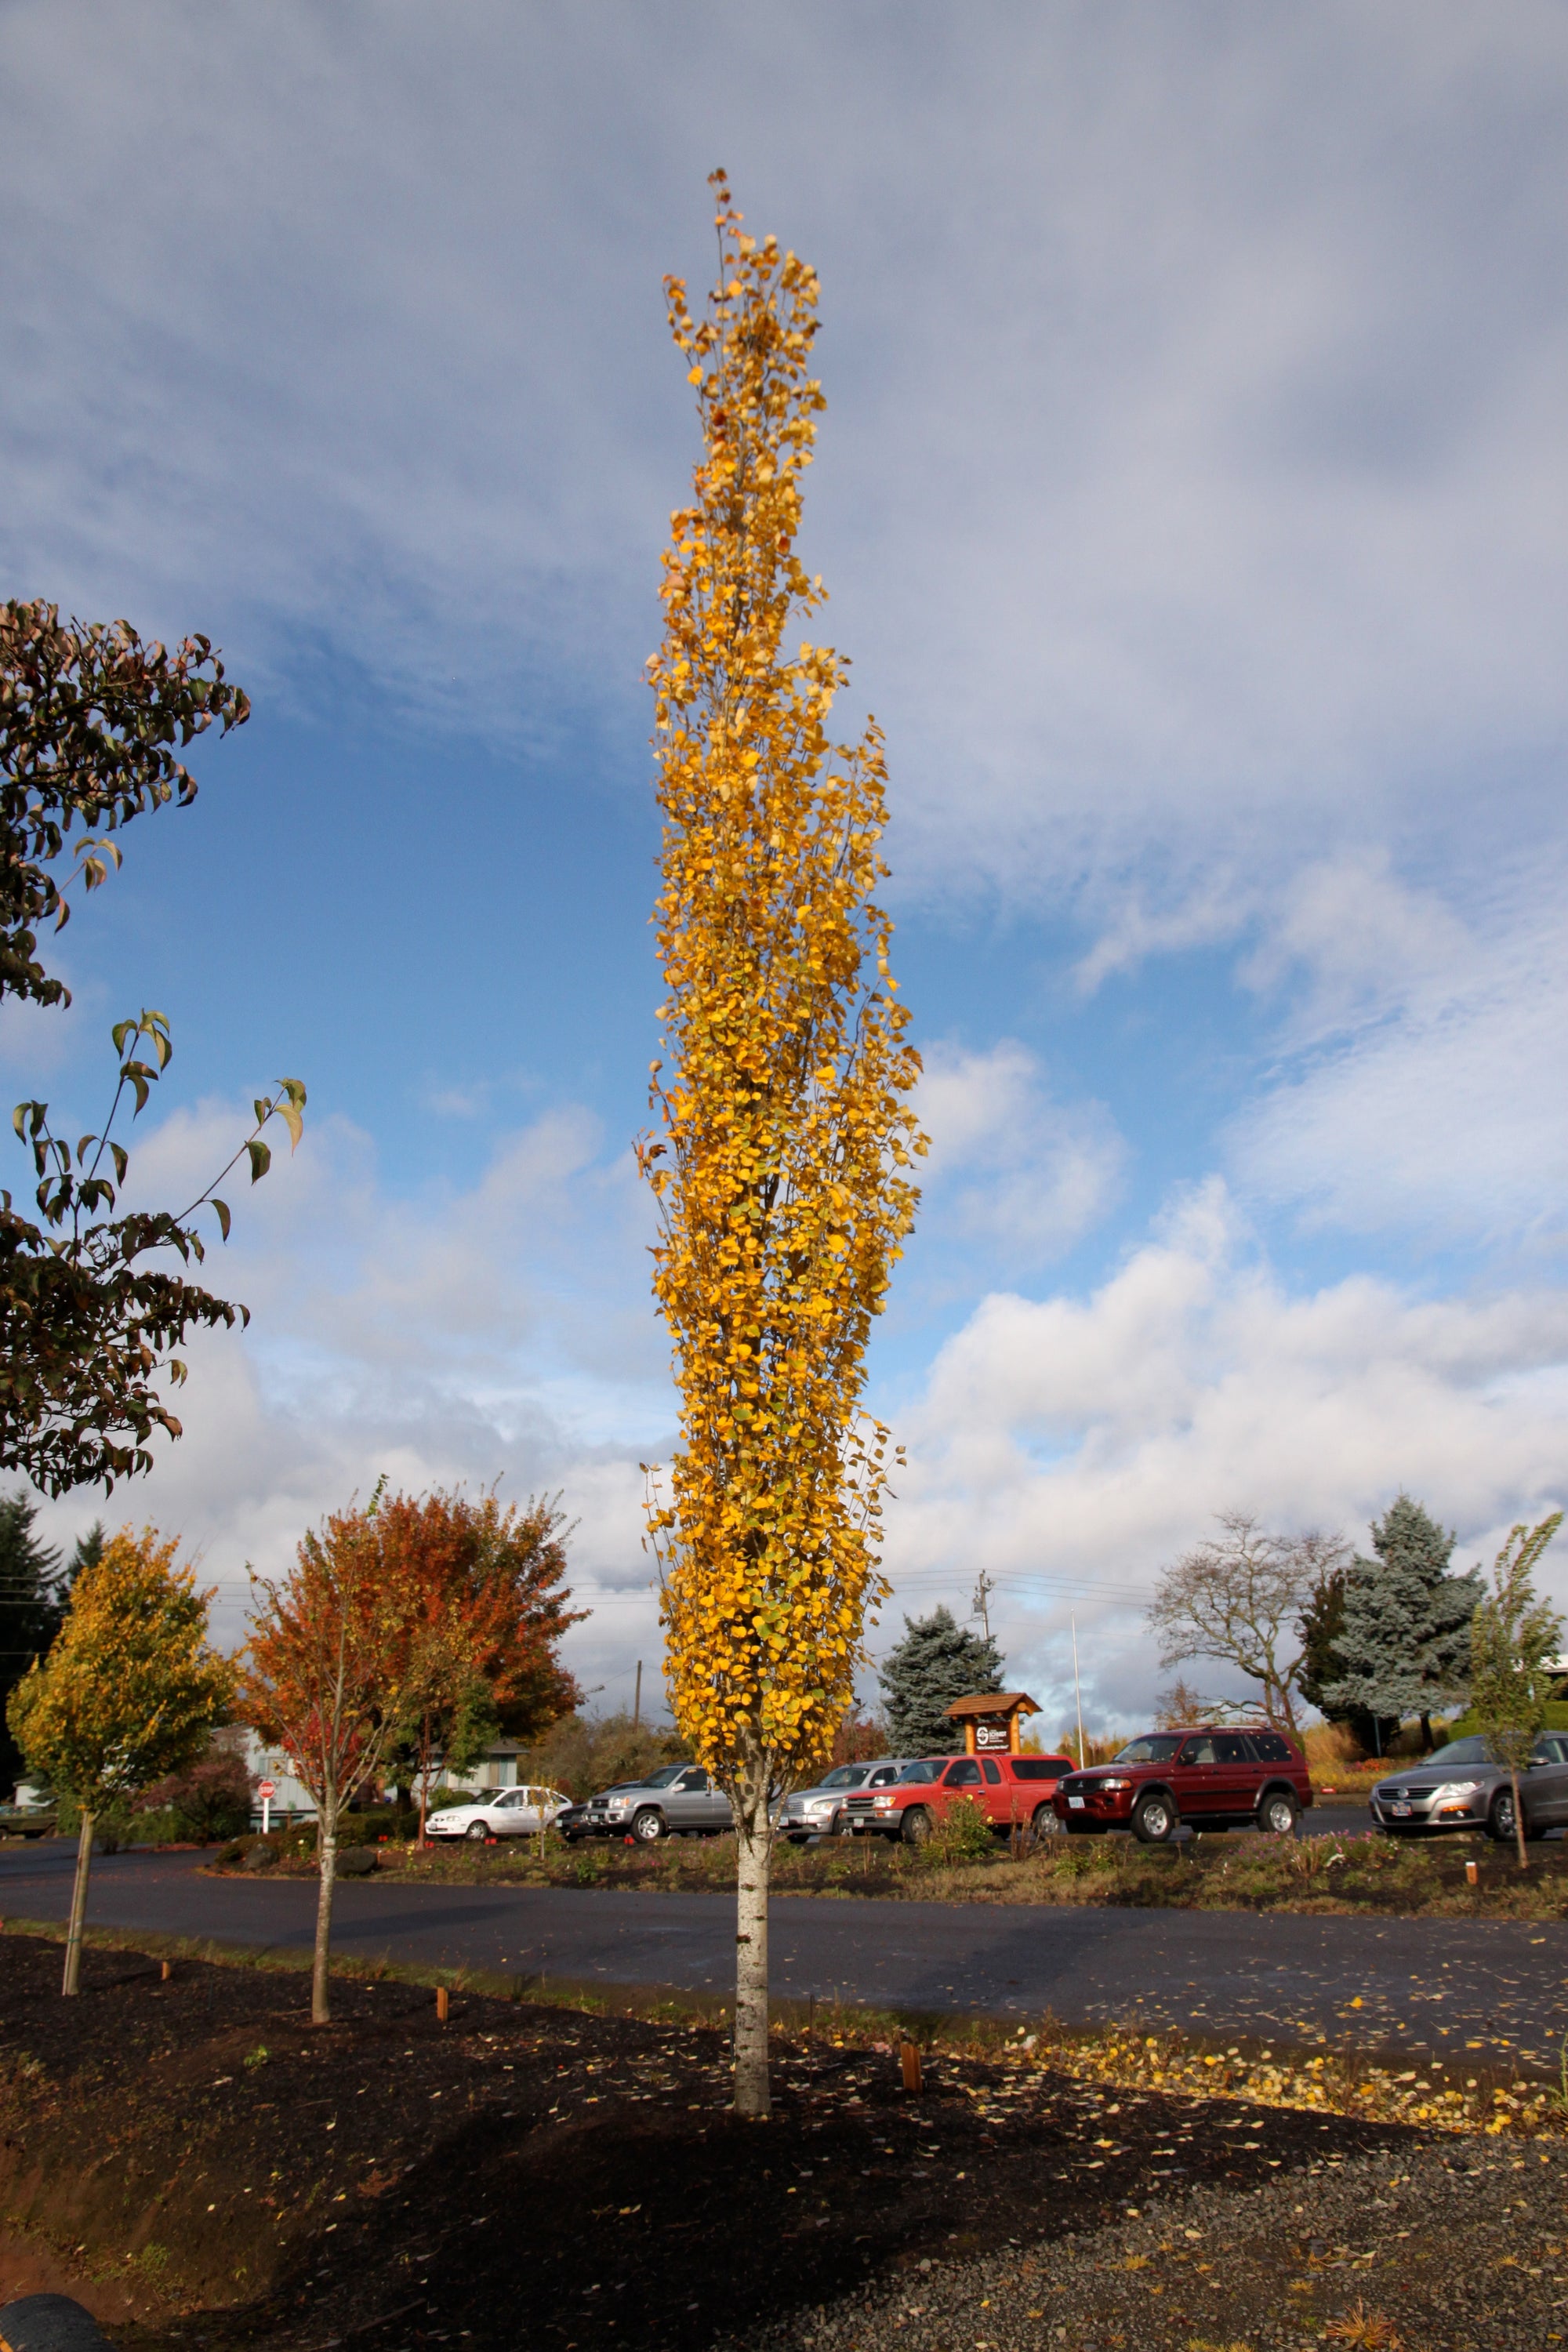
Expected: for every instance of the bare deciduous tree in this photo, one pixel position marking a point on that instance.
(1236, 1599)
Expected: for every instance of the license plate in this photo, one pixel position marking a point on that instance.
(1401, 1810)
(1075, 1804)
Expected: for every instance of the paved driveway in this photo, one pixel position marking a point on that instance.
(1426, 1986)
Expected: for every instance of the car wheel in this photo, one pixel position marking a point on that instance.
(1500, 1819)
(1277, 1814)
(1044, 1821)
(917, 1826)
(648, 1827)
(1154, 1818)
(477, 1832)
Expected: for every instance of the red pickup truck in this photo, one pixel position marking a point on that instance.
(1012, 1791)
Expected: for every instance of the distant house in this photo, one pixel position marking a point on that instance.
(497, 1769)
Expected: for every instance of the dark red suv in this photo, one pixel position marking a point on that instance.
(1212, 1779)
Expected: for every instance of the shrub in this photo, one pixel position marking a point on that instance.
(964, 1834)
(209, 1799)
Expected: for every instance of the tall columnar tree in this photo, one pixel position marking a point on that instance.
(937, 1661)
(129, 1692)
(1403, 1643)
(786, 1140)
(1515, 1637)
(91, 724)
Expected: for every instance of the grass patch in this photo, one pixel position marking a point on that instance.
(1406, 1879)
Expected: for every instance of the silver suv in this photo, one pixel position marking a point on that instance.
(823, 1811)
(677, 1801)
(1459, 1787)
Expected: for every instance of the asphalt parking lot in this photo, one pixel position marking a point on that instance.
(1495, 1987)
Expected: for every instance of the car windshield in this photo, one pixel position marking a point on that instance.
(660, 1780)
(1458, 1751)
(849, 1776)
(1154, 1748)
(925, 1771)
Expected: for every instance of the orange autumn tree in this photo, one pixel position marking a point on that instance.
(482, 1595)
(325, 1678)
(783, 1163)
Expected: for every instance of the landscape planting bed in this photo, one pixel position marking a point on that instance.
(526, 2175)
(1343, 1872)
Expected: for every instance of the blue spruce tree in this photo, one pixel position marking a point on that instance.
(1404, 1646)
(936, 1661)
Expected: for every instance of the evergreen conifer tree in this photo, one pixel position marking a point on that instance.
(30, 1611)
(937, 1661)
(1403, 1643)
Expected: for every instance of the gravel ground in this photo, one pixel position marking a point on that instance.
(1457, 2246)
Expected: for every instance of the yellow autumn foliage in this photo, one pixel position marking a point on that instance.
(783, 1155)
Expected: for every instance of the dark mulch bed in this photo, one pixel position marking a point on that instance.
(533, 2175)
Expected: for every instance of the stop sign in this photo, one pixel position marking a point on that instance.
(265, 1789)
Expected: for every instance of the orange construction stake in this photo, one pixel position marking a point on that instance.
(911, 2062)
(442, 2000)
(1473, 1872)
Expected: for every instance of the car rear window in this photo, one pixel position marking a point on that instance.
(1269, 1749)
(1040, 1767)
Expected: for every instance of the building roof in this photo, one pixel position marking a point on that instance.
(992, 1703)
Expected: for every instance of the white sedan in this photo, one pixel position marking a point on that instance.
(509, 1813)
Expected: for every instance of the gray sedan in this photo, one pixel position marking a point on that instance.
(1461, 1787)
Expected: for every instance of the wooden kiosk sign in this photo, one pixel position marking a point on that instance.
(993, 1721)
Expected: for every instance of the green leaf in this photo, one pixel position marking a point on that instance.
(260, 1160)
(223, 1216)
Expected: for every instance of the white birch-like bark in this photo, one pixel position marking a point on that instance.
(71, 1981)
(1519, 1819)
(327, 1860)
(755, 1833)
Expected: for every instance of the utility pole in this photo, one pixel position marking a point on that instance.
(982, 1591)
(1077, 1690)
(637, 1703)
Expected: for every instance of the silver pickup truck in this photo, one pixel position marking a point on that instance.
(677, 1801)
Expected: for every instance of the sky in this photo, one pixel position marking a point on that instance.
(1191, 497)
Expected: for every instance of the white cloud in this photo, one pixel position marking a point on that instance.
(1194, 465)
(1426, 1090)
(499, 1331)
(1012, 1174)
(1083, 1442)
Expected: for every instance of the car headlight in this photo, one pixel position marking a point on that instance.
(883, 1804)
(1113, 1784)
(1455, 1789)
(819, 1805)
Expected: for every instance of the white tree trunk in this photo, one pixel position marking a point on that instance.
(327, 1859)
(1519, 1819)
(754, 1830)
(71, 1981)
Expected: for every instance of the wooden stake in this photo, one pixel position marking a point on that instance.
(166, 1972)
(442, 2001)
(1473, 1872)
(912, 2063)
